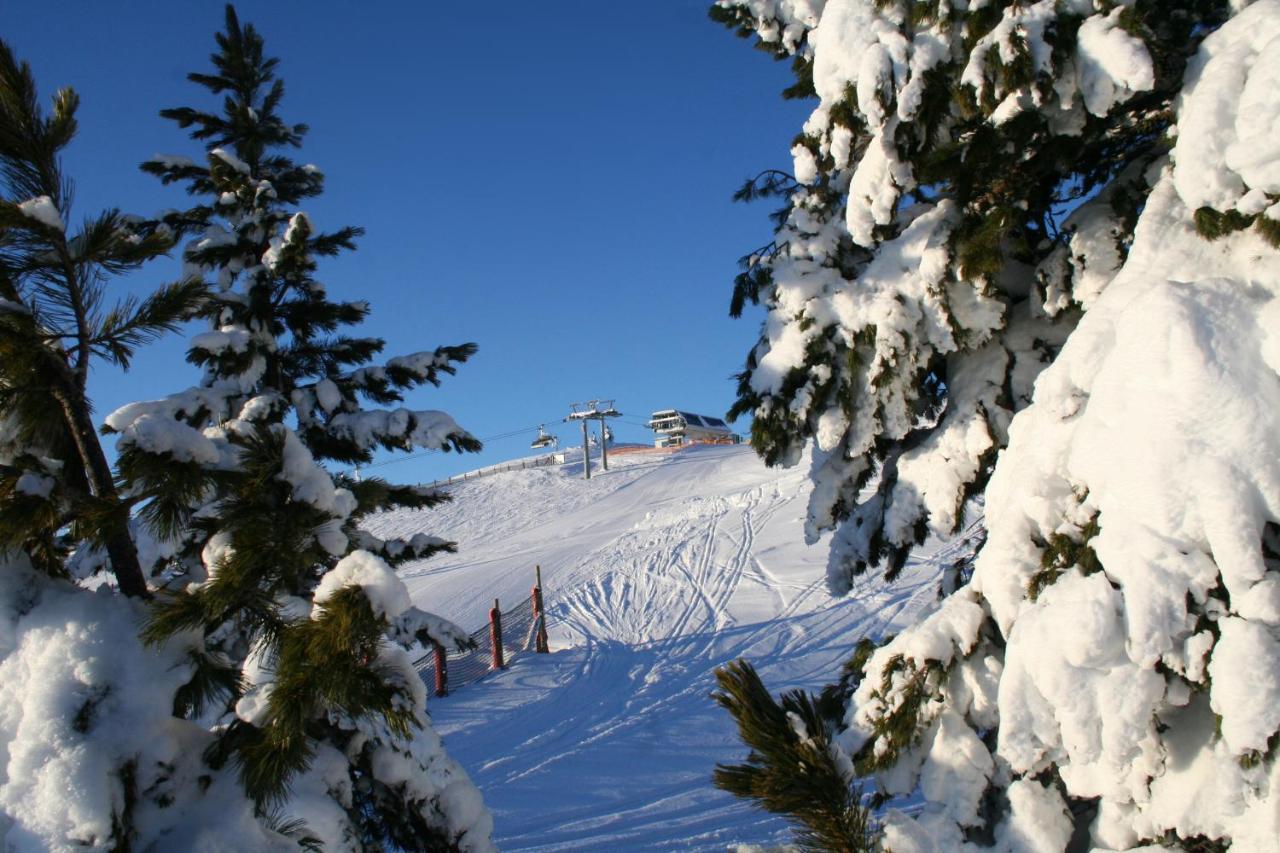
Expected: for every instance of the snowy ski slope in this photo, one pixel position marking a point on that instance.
(655, 572)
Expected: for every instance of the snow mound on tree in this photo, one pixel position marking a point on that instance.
(1232, 150)
(86, 731)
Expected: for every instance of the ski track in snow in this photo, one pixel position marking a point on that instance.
(655, 573)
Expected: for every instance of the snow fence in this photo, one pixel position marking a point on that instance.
(506, 636)
(516, 465)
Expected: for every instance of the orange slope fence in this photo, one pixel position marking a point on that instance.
(507, 635)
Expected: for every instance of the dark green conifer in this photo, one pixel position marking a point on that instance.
(300, 630)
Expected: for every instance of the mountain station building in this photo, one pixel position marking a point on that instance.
(673, 428)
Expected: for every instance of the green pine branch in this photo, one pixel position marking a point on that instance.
(133, 323)
(790, 770)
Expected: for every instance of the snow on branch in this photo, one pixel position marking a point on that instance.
(156, 434)
(230, 159)
(401, 428)
(192, 405)
(396, 551)
(415, 627)
(42, 210)
(409, 370)
(779, 24)
(387, 594)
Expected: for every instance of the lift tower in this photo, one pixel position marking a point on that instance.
(593, 410)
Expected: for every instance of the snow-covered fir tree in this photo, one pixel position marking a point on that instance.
(982, 190)
(299, 630)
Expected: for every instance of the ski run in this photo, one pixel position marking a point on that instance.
(655, 573)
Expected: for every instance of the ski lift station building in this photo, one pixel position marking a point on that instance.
(672, 428)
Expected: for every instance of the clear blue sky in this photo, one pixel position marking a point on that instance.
(549, 180)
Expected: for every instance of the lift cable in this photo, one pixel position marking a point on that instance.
(422, 453)
(498, 437)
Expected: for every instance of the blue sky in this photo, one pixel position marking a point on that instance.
(549, 180)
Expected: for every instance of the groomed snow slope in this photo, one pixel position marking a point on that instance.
(655, 573)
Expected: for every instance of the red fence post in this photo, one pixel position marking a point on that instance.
(495, 634)
(442, 669)
(540, 639)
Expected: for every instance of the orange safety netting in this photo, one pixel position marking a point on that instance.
(520, 627)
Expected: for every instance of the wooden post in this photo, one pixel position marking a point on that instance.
(540, 620)
(442, 669)
(495, 635)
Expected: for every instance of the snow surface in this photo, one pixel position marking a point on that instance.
(655, 573)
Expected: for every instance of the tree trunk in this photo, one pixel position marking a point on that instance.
(121, 549)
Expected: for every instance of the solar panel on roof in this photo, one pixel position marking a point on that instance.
(716, 422)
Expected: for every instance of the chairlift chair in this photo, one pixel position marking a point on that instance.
(544, 439)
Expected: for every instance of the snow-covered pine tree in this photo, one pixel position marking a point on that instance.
(297, 626)
(1110, 677)
(54, 321)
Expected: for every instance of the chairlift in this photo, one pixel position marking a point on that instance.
(544, 439)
